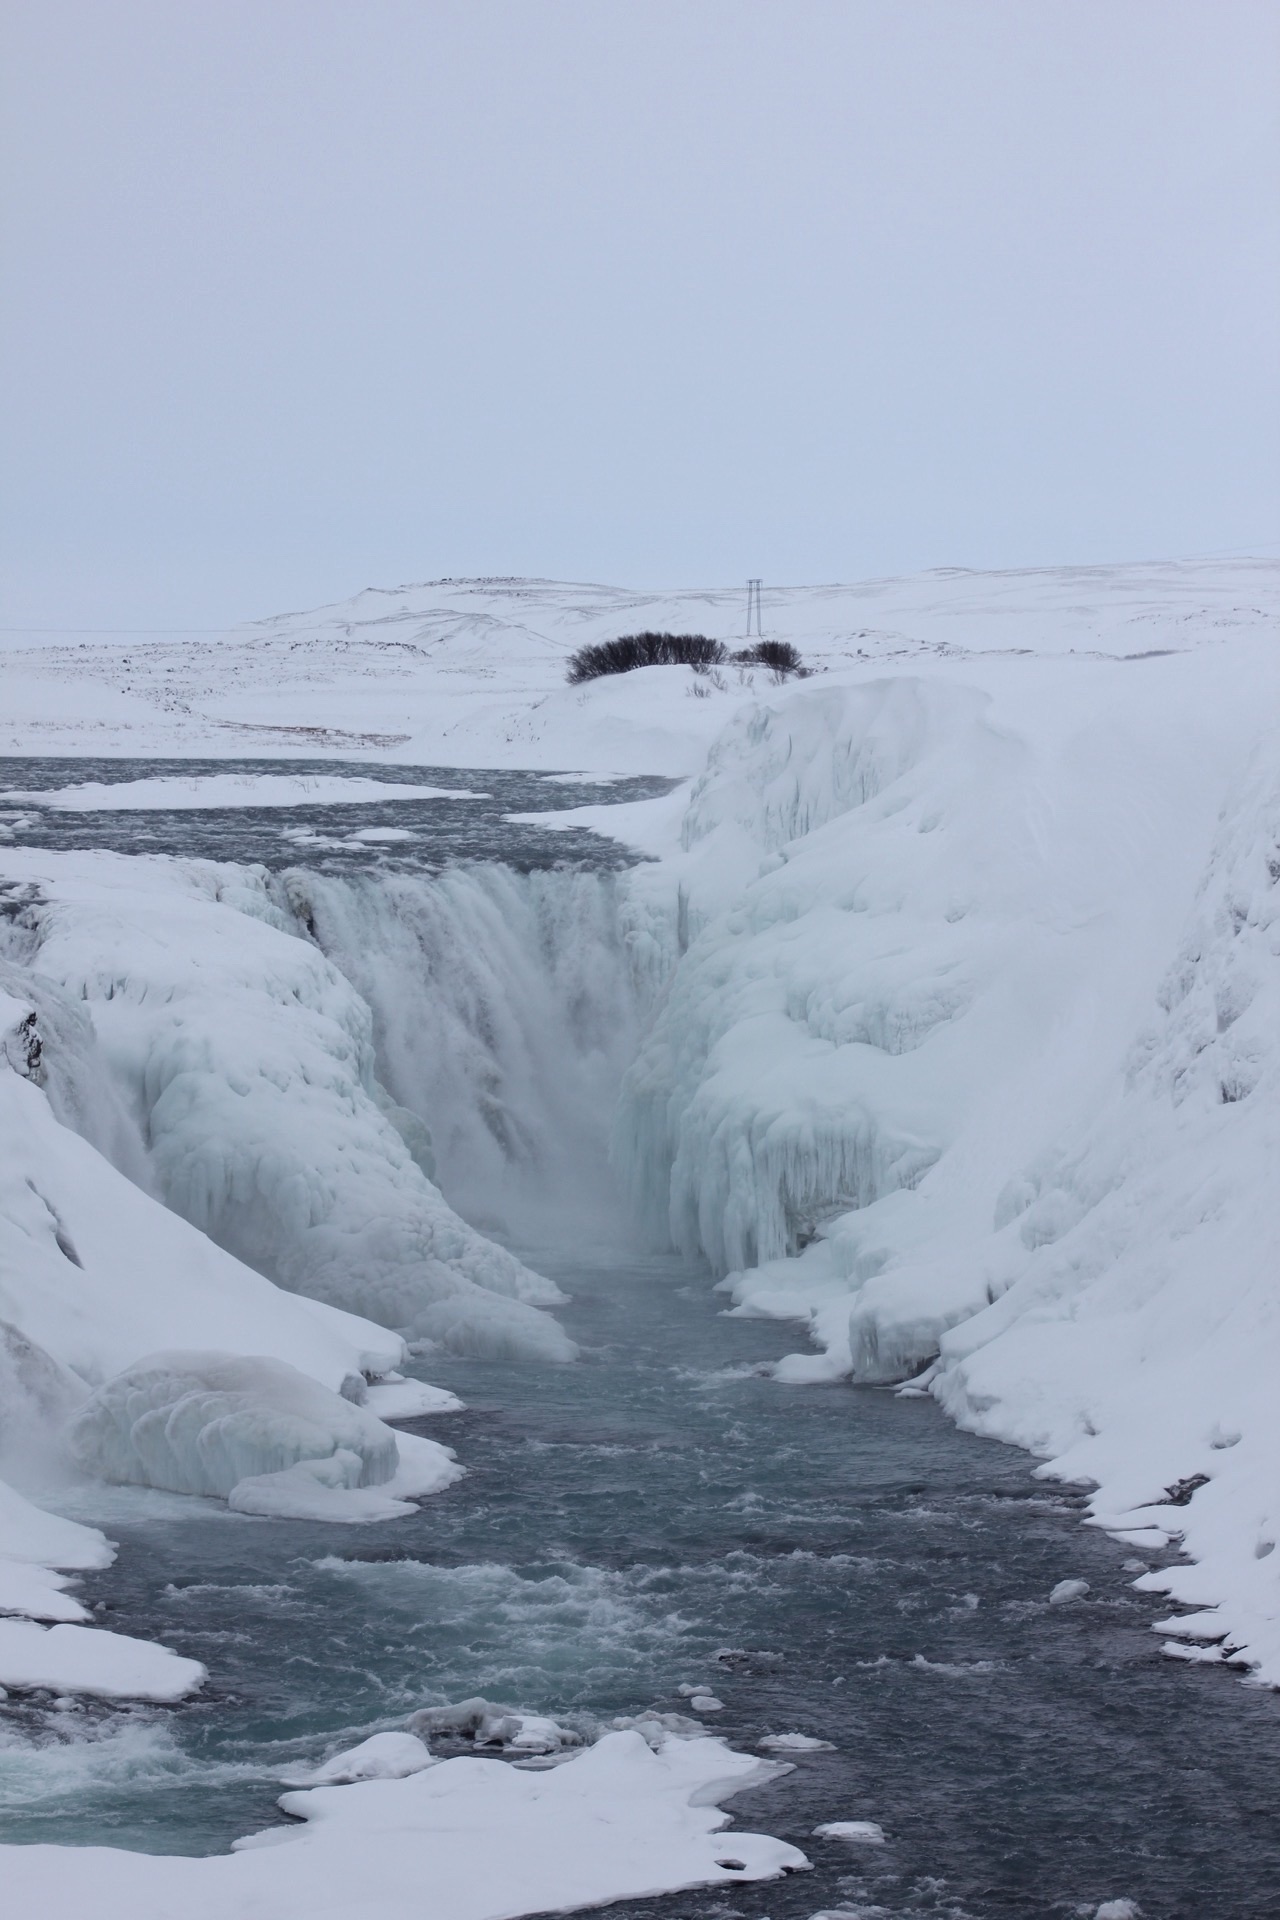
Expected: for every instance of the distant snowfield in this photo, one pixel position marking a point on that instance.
(471, 673)
(201, 790)
(957, 977)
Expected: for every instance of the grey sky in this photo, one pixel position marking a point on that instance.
(304, 295)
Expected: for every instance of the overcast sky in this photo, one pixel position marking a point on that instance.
(307, 295)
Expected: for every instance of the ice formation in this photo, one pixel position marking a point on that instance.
(248, 1059)
(504, 1008)
(383, 1756)
(198, 790)
(488, 1725)
(201, 1422)
(968, 1059)
(95, 1274)
(76, 1659)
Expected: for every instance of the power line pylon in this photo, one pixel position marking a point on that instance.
(753, 609)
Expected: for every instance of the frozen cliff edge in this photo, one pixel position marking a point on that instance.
(969, 1056)
(246, 1060)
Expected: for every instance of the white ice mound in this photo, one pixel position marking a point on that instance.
(384, 1756)
(202, 1423)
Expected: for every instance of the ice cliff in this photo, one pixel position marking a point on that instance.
(968, 1057)
(246, 1059)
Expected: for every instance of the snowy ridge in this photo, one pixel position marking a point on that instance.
(971, 1060)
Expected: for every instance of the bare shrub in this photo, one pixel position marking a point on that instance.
(632, 650)
(778, 655)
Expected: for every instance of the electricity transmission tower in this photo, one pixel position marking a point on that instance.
(753, 609)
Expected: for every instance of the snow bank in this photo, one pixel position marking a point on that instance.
(69, 1657)
(968, 1056)
(248, 1059)
(110, 1666)
(32, 1537)
(170, 791)
(487, 1840)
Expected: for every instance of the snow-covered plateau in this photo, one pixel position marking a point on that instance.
(940, 1014)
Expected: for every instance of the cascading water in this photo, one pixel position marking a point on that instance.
(505, 1012)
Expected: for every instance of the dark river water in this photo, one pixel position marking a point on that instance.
(880, 1580)
(436, 832)
(836, 1562)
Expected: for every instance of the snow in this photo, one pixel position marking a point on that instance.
(618, 1821)
(75, 1659)
(173, 791)
(471, 673)
(964, 1056)
(400, 1399)
(34, 1538)
(94, 1272)
(248, 1060)
(951, 990)
(384, 1756)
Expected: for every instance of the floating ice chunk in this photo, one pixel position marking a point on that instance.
(201, 1423)
(858, 1833)
(171, 792)
(1068, 1590)
(795, 1743)
(1118, 1910)
(706, 1703)
(74, 1659)
(384, 1756)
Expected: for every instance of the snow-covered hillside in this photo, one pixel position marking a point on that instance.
(470, 673)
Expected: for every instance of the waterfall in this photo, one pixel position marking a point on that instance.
(506, 1008)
